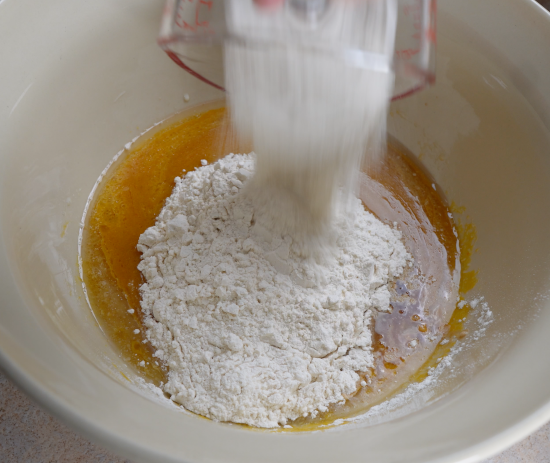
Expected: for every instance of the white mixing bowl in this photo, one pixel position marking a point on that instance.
(79, 79)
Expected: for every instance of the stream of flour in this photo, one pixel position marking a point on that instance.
(313, 102)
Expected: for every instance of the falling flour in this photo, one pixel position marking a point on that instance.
(251, 329)
(313, 100)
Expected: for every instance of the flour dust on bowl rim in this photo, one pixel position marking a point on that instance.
(86, 78)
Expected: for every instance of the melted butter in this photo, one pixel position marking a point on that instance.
(401, 192)
(127, 203)
(398, 191)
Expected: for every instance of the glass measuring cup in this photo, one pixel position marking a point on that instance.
(193, 32)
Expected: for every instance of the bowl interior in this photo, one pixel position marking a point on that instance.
(85, 78)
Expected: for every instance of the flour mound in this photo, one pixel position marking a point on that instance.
(252, 332)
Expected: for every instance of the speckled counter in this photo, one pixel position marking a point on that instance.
(30, 435)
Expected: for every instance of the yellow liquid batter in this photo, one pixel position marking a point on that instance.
(133, 194)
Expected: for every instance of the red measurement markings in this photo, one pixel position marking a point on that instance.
(415, 11)
(408, 53)
(196, 24)
(431, 32)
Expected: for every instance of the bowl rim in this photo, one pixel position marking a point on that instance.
(59, 407)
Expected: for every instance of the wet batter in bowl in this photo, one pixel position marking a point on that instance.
(253, 328)
(134, 192)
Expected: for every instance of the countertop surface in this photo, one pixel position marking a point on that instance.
(30, 435)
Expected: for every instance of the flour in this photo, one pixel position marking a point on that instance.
(264, 274)
(313, 99)
(251, 331)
